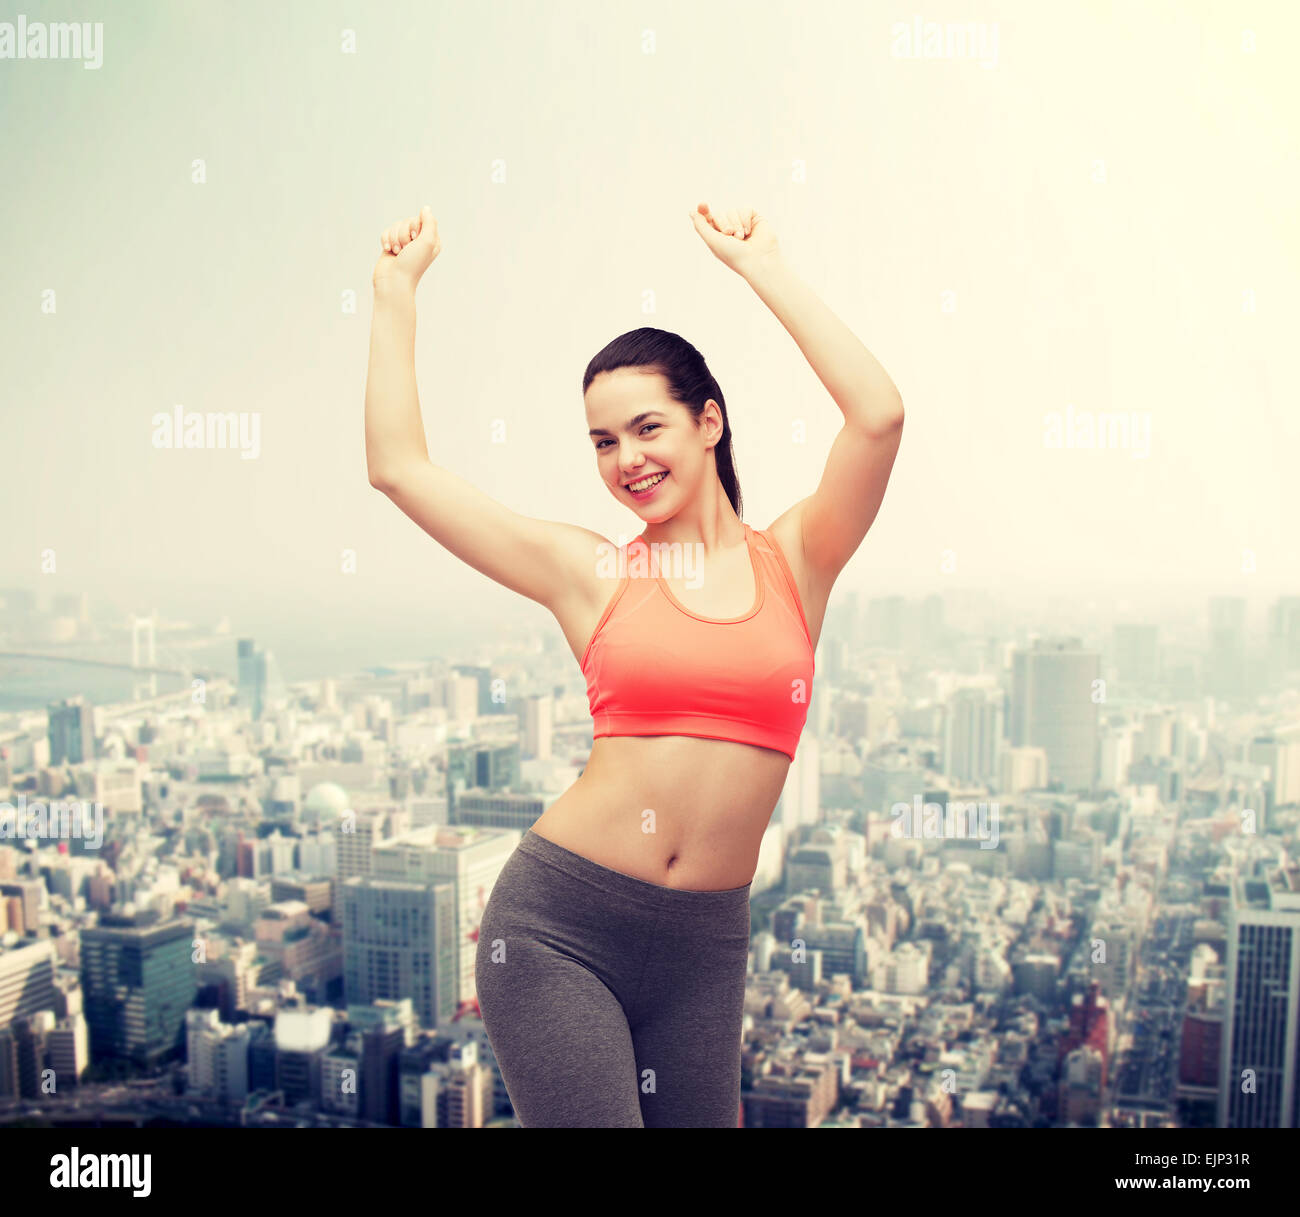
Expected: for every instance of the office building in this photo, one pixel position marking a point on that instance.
(1226, 659)
(71, 731)
(972, 735)
(138, 978)
(1054, 706)
(259, 683)
(1257, 1069)
(399, 941)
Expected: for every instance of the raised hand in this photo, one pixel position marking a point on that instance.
(738, 237)
(410, 246)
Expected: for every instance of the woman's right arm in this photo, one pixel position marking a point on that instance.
(550, 562)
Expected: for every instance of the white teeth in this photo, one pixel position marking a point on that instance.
(646, 483)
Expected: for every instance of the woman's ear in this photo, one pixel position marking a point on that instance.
(716, 424)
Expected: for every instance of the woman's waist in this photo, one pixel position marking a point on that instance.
(686, 772)
(683, 791)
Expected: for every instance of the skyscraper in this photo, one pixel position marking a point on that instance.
(537, 725)
(26, 980)
(359, 832)
(72, 731)
(138, 981)
(800, 801)
(399, 940)
(972, 735)
(259, 682)
(470, 859)
(1053, 707)
(1226, 665)
(1284, 637)
(1257, 1074)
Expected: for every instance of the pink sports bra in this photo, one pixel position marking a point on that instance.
(653, 667)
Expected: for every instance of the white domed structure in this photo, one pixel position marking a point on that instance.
(325, 802)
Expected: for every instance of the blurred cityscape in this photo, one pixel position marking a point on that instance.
(1015, 878)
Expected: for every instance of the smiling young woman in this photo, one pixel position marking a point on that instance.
(615, 941)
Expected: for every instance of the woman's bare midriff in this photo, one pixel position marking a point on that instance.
(670, 809)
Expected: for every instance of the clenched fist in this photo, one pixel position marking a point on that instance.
(410, 246)
(739, 237)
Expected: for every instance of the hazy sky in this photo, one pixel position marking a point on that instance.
(1093, 210)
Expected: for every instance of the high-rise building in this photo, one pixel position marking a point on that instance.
(355, 840)
(538, 717)
(26, 980)
(259, 683)
(800, 801)
(1257, 1067)
(490, 766)
(464, 1088)
(67, 1049)
(972, 735)
(482, 677)
(1282, 756)
(340, 1092)
(138, 978)
(417, 1080)
(216, 1057)
(468, 858)
(384, 1030)
(72, 731)
(302, 1041)
(459, 696)
(1053, 706)
(399, 940)
(1284, 637)
(25, 1043)
(1226, 661)
(247, 674)
(21, 899)
(1116, 755)
(1082, 1087)
(836, 654)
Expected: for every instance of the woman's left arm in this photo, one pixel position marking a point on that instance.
(868, 399)
(834, 519)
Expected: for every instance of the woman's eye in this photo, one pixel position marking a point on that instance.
(647, 427)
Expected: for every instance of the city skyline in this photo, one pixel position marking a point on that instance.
(288, 788)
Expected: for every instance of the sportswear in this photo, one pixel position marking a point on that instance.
(586, 978)
(654, 667)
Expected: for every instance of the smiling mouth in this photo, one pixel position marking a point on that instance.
(644, 484)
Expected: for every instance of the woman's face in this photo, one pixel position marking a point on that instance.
(639, 433)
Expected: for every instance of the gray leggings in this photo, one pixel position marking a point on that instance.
(609, 1001)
